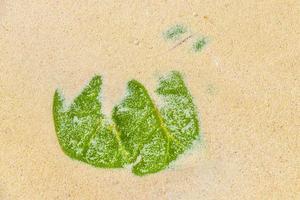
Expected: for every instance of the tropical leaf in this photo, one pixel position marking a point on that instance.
(140, 134)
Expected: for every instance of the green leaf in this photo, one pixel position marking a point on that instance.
(140, 134)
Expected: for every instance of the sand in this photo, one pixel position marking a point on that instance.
(245, 84)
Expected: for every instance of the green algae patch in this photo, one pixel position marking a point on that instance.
(199, 44)
(141, 134)
(175, 32)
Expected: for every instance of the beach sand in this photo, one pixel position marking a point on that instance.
(245, 84)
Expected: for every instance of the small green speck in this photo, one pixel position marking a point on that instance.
(211, 89)
(199, 44)
(175, 32)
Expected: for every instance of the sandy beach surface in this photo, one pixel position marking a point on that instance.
(245, 84)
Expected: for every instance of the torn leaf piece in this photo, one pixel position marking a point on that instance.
(141, 131)
(81, 128)
(179, 113)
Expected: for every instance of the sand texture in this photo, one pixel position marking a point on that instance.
(245, 84)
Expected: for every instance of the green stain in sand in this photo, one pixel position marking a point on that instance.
(140, 134)
(175, 32)
(199, 44)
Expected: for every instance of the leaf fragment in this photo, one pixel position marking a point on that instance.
(179, 113)
(82, 131)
